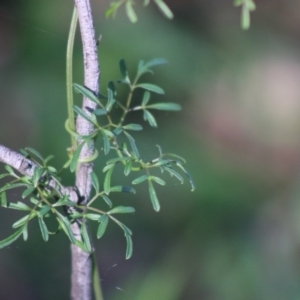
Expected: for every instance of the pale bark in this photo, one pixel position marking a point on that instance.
(81, 261)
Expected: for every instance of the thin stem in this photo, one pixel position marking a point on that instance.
(69, 69)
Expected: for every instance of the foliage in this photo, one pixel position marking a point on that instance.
(117, 137)
(247, 7)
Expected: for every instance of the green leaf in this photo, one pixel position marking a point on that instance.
(132, 143)
(111, 100)
(113, 9)
(153, 196)
(130, 12)
(23, 220)
(64, 202)
(107, 200)
(102, 226)
(107, 180)
(106, 142)
(100, 112)
(129, 247)
(118, 159)
(128, 167)
(117, 131)
(157, 180)
(4, 175)
(38, 172)
(150, 118)
(174, 173)
(146, 98)
(86, 92)
(19, 206)
(25, 232)
(165, 106)
(125, 189)
(44, 210)
(9, 186)
(79, 111)
(140, 179)
(3, 199)
(245, 17)
(121, 210)
(124, 71)
(66, 226)
(85, 237)
(95, 181)
(156, 62)
(164, 9)
(136, 127)
(6, 242)
(151, 87)
(187, 174)
(35, 153)
(9, 169)
(27, 192)
(75, 158)
(93, 217)
(44, 229)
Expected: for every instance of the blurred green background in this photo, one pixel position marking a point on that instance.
(238, 235)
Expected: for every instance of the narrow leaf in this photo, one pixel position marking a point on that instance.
(135, 127)
(164, 9)
(140, 179)
(6, 242)
(3, 199)
(79, 111)
(27, 192)
(128, 167)
(102, 226)
(129, 248)
(174, 173)
(150, 118)
(86, 92)
(35, 153)
(107, 200)
(75, 158)
(157, 180)
(65, 225)
(151, 87)
(153, 196)
(130, 12)
(95, 181)
(19, 206)
(23, 220)
(107, 180)
(85, 237)
(146, 98)
(132, 143)
(125, 189)
(44, 230)
(44, 210)
(121, 210)
(165, 106)
(156, 62)
(93, 217)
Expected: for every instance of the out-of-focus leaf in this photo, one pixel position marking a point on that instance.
(43, 228)
(164, 9)
(86, 92)
(121, 210)
(150, 118)
(6, 242)
(157, 180)
(85, 237)
(150, 87)
(124, 189)
(136, 127)
(102, 226)
(133, 145)
(3, 199)
(129, 248)
(130, 12)
(165, 106)
(75, 158)
(107, 200)
(146, 98)
(107, 181)
(153, 196)
(95, 181)
(140, 179)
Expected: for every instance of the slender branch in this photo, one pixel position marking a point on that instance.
(81, 261)
(26, 167)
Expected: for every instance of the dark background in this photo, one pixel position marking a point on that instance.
(235, 237)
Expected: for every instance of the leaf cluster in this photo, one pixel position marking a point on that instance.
(129, 8)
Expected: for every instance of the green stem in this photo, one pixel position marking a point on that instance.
(69, 69)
